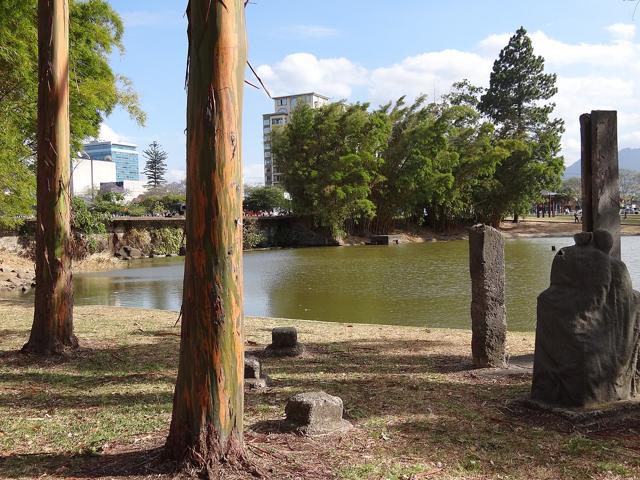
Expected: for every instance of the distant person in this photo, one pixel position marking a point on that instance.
(576, 218)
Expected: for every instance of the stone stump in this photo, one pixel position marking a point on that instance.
(315, 413)
(488, 312)
(588, 328)
(254, 377)
(284, 343)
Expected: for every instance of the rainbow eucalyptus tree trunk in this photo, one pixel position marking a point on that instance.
(206, 426)
(52, 330)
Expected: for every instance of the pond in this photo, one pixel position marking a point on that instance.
(417, 284)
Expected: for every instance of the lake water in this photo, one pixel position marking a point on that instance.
(417, 284)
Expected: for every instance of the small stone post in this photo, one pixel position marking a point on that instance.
(600, 189)
(488, 312)
(284, 343)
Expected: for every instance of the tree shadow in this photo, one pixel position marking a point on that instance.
(17, 299)
(7, 332)
(141, 462)
(382, 377)
(92, 376)
(94, 357)
(375, 378)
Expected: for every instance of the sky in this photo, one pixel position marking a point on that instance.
(377, 50)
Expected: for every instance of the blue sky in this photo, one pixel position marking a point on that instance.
(375, 50)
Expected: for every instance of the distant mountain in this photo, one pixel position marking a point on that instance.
(628, 159)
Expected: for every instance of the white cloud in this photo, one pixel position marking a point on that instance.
(310, 31)
(108, 134)
(591, 76)
(304, 72)
(581, 94)
(491, 46)
(427, 72)
(593, 55)
(622, 31)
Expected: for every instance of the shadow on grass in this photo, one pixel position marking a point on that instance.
(7, 332)
(384, 378)
(96, 358)
(92, 376)
(375, 379)
(143, 462)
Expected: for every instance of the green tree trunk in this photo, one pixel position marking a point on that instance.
(52, 330)
(206, 426)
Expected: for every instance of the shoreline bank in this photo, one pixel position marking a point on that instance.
(17, 270)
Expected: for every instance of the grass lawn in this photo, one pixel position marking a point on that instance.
(420, 412)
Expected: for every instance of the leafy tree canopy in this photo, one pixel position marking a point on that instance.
(95, 31)
(329, 157)
(518, 88)
(629, 182)
(516, 101)
(264, 199)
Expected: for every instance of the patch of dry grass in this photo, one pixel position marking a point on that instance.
(419, 410)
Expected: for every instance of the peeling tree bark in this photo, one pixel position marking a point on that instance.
(206, 426)
(52, 330)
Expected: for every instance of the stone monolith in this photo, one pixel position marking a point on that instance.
(488, 312)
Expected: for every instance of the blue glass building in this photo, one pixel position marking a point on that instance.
(124, 155)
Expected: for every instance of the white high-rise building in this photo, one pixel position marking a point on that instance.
(88, 174)
(283, 108)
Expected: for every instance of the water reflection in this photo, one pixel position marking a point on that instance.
(420, 284)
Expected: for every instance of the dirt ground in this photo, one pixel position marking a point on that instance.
(541, 228)
(419, 410)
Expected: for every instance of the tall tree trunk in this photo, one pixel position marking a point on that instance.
(52, 330)
(206, 426)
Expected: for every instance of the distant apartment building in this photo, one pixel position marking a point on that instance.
(283, 108)
(124, 155)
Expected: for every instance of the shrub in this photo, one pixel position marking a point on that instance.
(171, 203)
(161, 241)
(110, 203)
(87, 221)
(166, 240)
(134, 210)
(265, 199)
(137, 238)
(252, 236)
(84, 245)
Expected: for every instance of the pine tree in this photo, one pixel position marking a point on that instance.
(517, 102)
(156, 165)
(517, 88)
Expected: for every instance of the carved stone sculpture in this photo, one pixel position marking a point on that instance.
(587, 332)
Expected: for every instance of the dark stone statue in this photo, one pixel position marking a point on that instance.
(588, 330)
